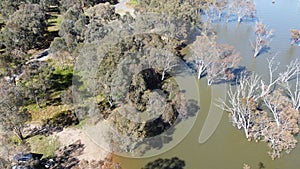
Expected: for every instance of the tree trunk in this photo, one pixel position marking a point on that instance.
(209, 82)
(239, 19)
(256, 53)
(19, 133)
(246, 132)
(199, 74)
(37, 102)
(163, 75)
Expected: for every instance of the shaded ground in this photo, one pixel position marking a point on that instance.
(91, 150)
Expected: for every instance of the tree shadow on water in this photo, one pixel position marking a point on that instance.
(173, 163)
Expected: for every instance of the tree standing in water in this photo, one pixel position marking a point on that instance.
(262, 39)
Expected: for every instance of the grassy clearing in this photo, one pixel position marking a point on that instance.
(132, 3)
(14, 140)
(40, 114)
(44, 145)
(54, 22)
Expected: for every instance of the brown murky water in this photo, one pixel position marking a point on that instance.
(227, 147)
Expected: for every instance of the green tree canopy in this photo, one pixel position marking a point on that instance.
(25, 28)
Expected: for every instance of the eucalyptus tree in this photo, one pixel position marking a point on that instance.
(13, 118)
(243, 9)
(295, 36)
(263, 37)
(72, 28)
(213, 60)
(25, 28)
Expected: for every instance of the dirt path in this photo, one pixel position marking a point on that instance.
(91, 151)
(122, 8)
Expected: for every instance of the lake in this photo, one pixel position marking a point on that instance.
(227, 147)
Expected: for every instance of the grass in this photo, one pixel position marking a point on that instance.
(132, 2)
(44, 145)
(40, 114)
(82, 123)
(14, 140)
(62, 79)
(54, 22)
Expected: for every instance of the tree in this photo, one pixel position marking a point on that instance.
(220, 6)
(72, 29)
(156, 104)
(203, 53)
(163, 61)
(267, 112)
(64, 5)
(262, 38)
(37, 81)
(214, 60)
(8, 7)
(25, 28)
(292, 73)
(12, 116)
(98, 26)
(221, 68)
(295, 36)
(243, 9)
(185, 10)
(243, 102)
(102, 12)
(267, 88)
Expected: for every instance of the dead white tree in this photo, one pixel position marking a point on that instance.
(272, 68)
(220, 69)
(273, 102)
(294, 93)
(292, 70)
(214, 60)
(242, 9)
(164, 61)
(220, 7)
(263, 38)
(204, 52)
(292, 73)
(242, 102)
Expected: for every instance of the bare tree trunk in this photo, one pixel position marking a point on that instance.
(163, 75)
(19, 133)
(37, 101)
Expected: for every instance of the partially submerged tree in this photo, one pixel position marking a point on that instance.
(243, 102)
(203, 53)
(214, 60)
(295, 36)
(262, 38)
(268, 87)
(163, 61)
(267, 111)
(292, 90)
(242, 9)
(222, 67)
(221, 6)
